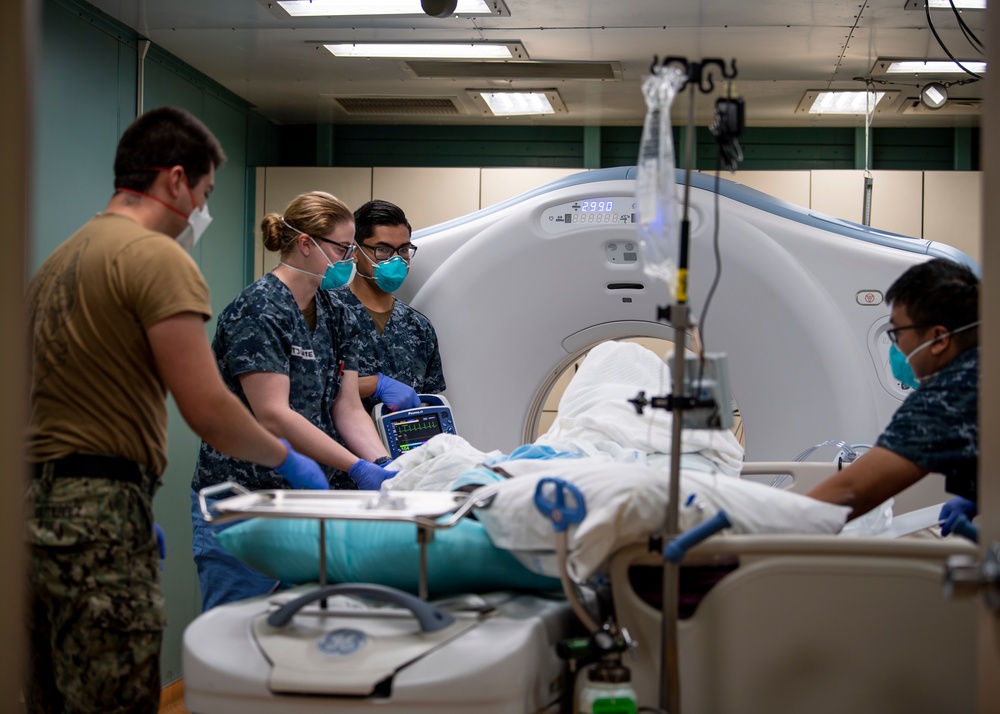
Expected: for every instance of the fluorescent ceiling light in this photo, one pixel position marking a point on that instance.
(505, 104)
(436, 50)
(845, 102)
(933, 67)
(344, 8)
(959, 4)
(945, 5)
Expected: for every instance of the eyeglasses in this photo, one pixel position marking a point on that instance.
(384, 252)
(346, 250)
(893, 334)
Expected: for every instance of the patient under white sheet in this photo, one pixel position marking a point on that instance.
(620, 461)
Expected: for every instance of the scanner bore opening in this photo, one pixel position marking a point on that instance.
(546, 404)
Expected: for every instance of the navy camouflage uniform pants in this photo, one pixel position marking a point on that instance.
(95, 606)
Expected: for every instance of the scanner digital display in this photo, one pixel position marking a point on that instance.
(411, 432)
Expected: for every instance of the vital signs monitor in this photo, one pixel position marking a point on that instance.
(407, 429)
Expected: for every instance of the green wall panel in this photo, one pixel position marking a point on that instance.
(913, 149)
(221, 255)
(85, 84)
(764, 148)
(359, 145)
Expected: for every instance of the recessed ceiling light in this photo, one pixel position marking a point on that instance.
(346, 8)
(518, 103)
(945, 4)
(436, 50)
(848, 102)
(932, 67)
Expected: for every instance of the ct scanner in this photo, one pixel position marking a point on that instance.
(519, 291)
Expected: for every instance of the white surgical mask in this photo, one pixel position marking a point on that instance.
(198, 221)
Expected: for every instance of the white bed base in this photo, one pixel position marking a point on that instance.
(812, 624)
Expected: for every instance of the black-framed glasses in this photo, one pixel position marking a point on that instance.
(384, 252)
(893, 334)
(346, 250)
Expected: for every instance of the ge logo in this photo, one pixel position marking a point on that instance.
(342, 642)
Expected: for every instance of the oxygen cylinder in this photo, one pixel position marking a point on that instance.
(608, 691)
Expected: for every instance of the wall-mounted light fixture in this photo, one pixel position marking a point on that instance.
(934, 95)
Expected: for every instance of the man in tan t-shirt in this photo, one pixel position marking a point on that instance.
(117, 319)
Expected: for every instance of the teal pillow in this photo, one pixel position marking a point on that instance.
(460, 559)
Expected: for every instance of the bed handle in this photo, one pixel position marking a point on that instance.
(212, 491)
(677, 548)
(430, 617)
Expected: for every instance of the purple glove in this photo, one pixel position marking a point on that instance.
(301, 471)
(395, 395)
(368, 476)
(954, 508)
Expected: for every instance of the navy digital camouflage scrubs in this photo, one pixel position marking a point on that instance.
(936, 427)
(407, 350)
(263, 330)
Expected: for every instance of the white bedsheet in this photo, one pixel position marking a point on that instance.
(595, 416)
(625, 503)
(623, 473)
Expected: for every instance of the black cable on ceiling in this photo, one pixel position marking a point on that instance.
(976, 43)
(930, 24)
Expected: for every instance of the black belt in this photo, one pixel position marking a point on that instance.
(114, 468)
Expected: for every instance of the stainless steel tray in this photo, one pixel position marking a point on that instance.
(422, 507)
(414, 506)
(425, 508)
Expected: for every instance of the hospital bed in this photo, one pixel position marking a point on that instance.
(800, 311)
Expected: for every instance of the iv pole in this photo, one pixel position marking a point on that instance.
(678, 315)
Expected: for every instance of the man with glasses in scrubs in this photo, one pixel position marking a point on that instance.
(398, 351)
(934, 352)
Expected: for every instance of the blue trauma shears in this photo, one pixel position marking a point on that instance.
(555, 507)
(551, 501)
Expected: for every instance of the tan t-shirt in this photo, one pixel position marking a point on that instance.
(94, 385)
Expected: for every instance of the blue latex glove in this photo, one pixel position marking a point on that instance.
(161, 543)
(368, 476)
(395, 395)
(954, 508)
(301, 471)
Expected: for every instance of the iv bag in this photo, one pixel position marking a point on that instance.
(656, 200)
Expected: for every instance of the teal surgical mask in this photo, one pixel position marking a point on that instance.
(389, 274)
(336, 274)
(900, 363)
(901, 368)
